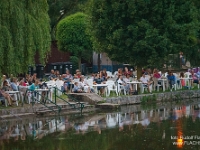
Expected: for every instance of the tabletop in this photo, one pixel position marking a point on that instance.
(100, 85)
(12, 92)
(41, 90)
(134, 82)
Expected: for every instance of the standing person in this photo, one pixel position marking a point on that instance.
(182, 59)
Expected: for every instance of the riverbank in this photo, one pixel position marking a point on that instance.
(91, 104)
(156, 97)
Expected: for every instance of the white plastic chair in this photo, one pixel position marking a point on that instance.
(120, 88)
(90, 82)
(155, 84)
(142, 87)
(109, 74)
(115, 74)
(59, 84)
(111, 87)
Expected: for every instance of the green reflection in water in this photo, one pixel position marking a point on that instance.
(155, 136)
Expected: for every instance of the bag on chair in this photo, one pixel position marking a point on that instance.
(135, 92)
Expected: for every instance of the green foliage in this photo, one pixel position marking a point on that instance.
(72, 36)
(58, 9)
(143, 32)
(24, 30)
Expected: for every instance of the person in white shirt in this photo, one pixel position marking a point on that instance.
(145, 81)
(84, 85)
(128, 86)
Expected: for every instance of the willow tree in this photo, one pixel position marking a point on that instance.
(143, 32)
(24, 31)
(73, 37)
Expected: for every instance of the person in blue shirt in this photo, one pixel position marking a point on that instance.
(34, 85)
(76, 88)
(171, 79)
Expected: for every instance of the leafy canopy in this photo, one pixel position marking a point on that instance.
(72, 36)
(143, 32)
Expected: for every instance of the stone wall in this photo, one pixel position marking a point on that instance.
(167, 96)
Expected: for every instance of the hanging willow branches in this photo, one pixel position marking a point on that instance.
(24, 30)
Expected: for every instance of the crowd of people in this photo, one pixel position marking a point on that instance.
(82, 84)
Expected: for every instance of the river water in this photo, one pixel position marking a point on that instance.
(135, 127)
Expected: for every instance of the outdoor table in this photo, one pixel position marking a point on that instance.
(134, 83)
(40, 93)
(100, 85)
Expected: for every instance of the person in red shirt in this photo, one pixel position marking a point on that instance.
(156, 74)
(126, 71)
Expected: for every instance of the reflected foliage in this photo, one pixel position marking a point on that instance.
(132, 137)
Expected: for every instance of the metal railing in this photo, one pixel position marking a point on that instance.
(34, 99)
(69, 96)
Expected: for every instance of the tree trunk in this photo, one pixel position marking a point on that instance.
(139, 72)
(99, 62)
(79, 64)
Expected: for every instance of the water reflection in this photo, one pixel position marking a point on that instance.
(155, 124)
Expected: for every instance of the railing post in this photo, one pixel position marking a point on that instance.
(55, 94)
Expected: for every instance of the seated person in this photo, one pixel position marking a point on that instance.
(104, 74)
(194, 78)
(126, 71)
(99, 80)
(22, 82)
(76, 88)
(78, 74)
(34, 85)
(182, 81)
(52, 75)
(198, 73)
(6, 86)
(156, 74)
(171, 79)
(84, 85)
(13, 84)
(145, 81)
(122, 84)
(6, 96)
(128, 86)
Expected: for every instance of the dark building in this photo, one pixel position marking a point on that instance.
(54, 56)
